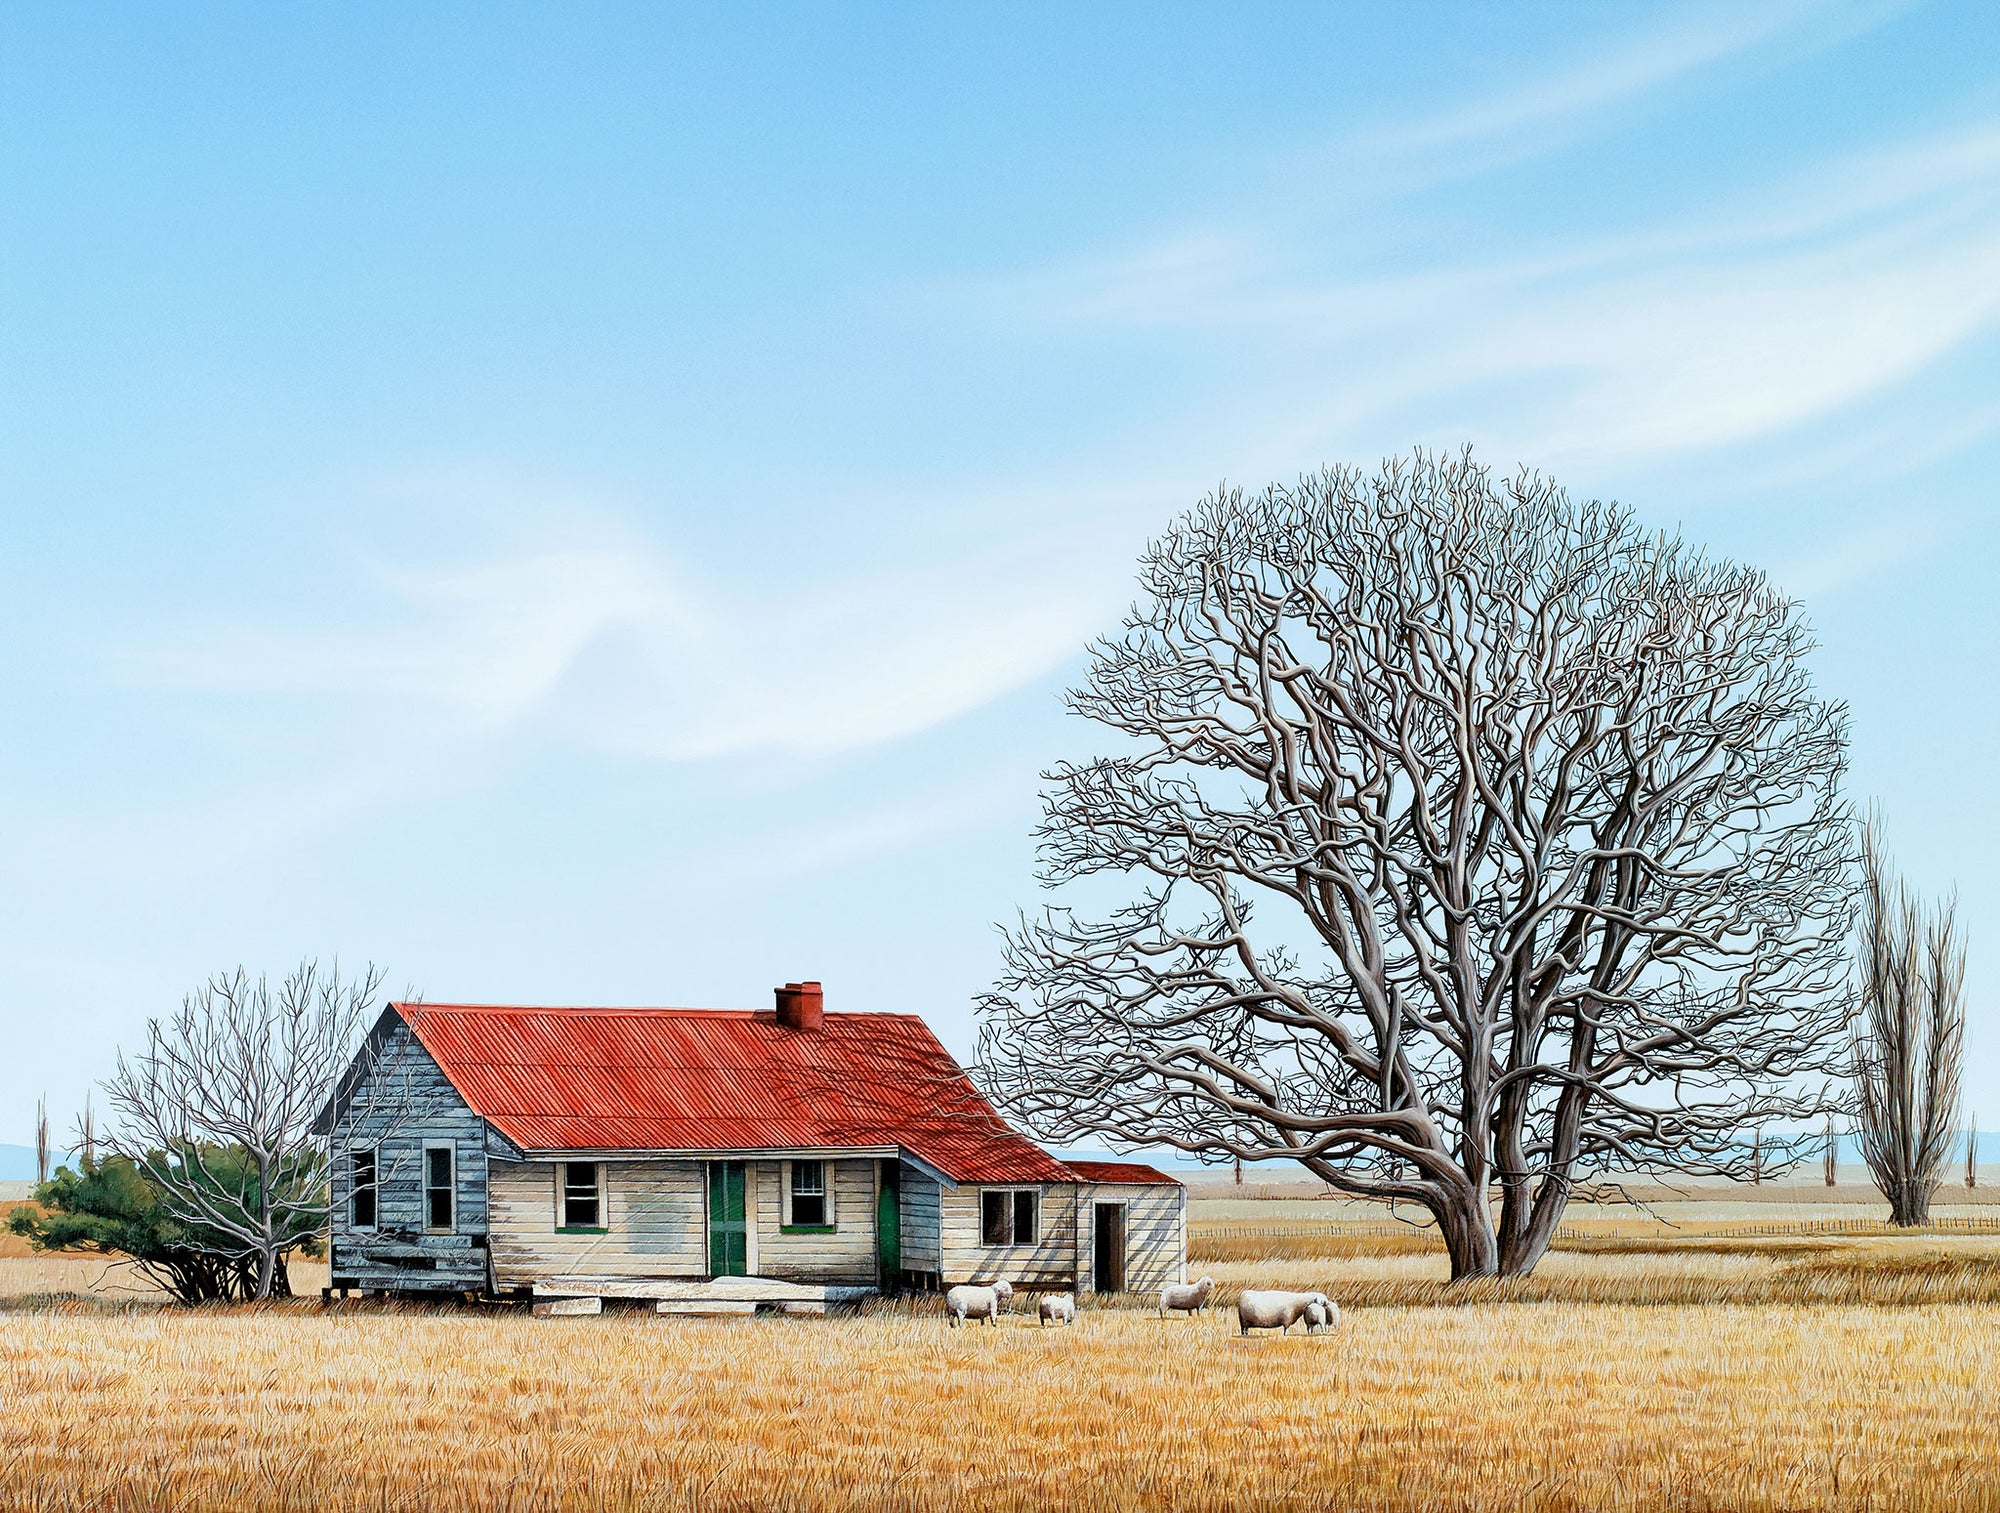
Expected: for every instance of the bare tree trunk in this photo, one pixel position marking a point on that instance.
(1832, 1155)
(1467, 1228)
(1972, 1151)
(268, 1253)
(41, 1140)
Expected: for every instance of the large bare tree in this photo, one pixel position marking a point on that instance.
(1909, 1047)
(217, 1110)
(1458, 837)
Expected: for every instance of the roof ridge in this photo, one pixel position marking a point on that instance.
(417, 1006)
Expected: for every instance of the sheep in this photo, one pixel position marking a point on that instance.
(1281, 1310)
(975, 1302)
(1058, 1309)
(1191, 1298)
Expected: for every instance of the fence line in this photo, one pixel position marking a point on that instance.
(1335, 1229)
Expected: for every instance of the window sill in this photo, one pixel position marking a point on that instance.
(582, 1229)
(808, 1229)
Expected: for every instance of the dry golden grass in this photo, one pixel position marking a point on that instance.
(1546, 1407)
(1766, 1375)
(1899, 1274)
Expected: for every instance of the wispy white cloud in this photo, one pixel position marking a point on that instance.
(1545, 110)
(863, 834)
(1779, 305)
(1772, 307)
(612, 646)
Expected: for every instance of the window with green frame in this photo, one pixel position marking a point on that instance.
(806, 1205)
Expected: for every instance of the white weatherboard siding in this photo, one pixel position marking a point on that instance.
(846, 1256)
(655, 1222)
(1049, 1262)
(921, 1198)
(1155, 1234)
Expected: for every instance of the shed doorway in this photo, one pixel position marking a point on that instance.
(1108, 1251)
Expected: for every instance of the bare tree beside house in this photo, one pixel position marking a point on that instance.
(1457, 835)
(1909, 1047)
(218, 1108)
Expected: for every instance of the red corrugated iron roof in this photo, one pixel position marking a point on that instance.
(585, 1079)
(1132, 1173)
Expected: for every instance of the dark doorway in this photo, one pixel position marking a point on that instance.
(1108, 1265)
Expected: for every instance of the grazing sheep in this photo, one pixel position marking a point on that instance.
(1191, 1298)
(1059, 1309)
(971, 1302)
(1322, 1313)
(1281, 1310)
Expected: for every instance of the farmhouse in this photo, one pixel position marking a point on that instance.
(543, 1151)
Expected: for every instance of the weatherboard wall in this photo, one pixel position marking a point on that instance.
(400, 1104)
(843, 1253)
(1155, 1233)
(920, 1197)
(1049, 1262)
(655, 1222)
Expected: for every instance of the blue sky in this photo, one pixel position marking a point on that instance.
(597, 504)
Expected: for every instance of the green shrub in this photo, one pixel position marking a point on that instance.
(108, 1207)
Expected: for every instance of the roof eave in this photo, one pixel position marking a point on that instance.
(704, 1153)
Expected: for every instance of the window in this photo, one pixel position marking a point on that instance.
(1007, 1216)
(361, 1189)
(807, 1193)
(439, 1190)
(582, 1202)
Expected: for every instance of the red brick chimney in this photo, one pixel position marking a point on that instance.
(801, 1005)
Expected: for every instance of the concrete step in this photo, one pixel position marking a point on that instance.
(709, 1309)
(565, 1308)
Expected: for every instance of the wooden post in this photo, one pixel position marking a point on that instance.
(1757, 1157)
(1239, 1171)
(1832, 1154)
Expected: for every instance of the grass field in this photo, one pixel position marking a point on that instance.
(1629, 1372)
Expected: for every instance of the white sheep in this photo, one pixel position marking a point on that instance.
(973, 1302)
(1058, 1309)
(1281, 1310)
(1187, 1298)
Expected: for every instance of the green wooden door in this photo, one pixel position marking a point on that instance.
(728, 1227)
(888, 1227)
